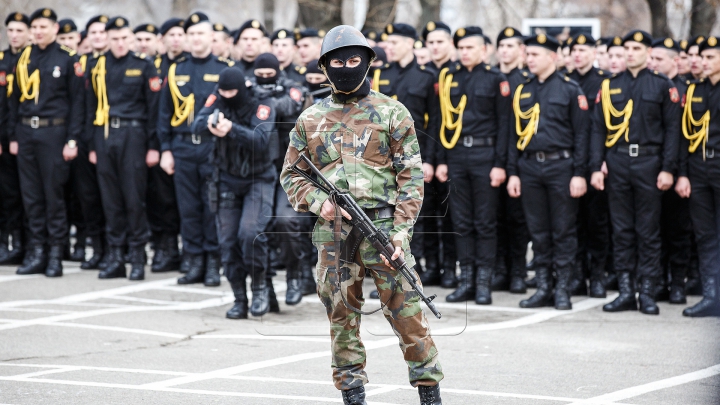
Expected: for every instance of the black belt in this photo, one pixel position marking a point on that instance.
(37, 122)
(116, 122)
(196, 139)
(543, 156)
(470, 141)
(379, 213)
(635, 150)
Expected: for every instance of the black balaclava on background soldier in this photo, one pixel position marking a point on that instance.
(267, 61)
(242, 104)
(348, 82)
(312, 68)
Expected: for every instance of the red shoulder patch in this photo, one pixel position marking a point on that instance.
(505, 88)
(437, 88)
(78, 69)
(674, 96)
(597, 99)
(210, 100)
(582, 102)
(3, 78)
(295, 94)
(263, 112)
(155, 84)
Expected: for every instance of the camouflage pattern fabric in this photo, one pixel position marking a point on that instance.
(369, 148)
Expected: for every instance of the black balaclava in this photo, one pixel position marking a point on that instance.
(264, 61)
(312, 68)
(242, 104)
(348, 82)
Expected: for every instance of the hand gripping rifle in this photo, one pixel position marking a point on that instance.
(364, 224)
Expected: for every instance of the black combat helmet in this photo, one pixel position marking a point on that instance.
(340, 37)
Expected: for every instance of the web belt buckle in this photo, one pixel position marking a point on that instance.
(468, 141)
(634, 150)
(540, 156)
(34, 122)
(196, 140)
(115, 122)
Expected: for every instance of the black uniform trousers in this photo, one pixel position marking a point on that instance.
(433, 232)
(550, 212)
(86, 188)
(473, 205)
(10, 195)
(705, 211)
(122, 174)
(593, 229)
(163, 214)
(291, 231)
(193, 170)
(513, 235)
(676, 231)
(245, 209)
(43, 174)
(635, 207)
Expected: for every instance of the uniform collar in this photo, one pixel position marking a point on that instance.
(201, 60)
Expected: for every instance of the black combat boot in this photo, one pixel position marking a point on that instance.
(273, 302)
(172, 252)
(16, 255)
(466, 287)
(260, 294)
(597, 275)
(138, 259)
(185, 263)
(677, 285)
(240, 308)
(106, 256)
(54, 266)
(115, 264)
(577, 285)
(449, 278)
(483, 296)
(562, 293)
(212, 270)
(500, 277)
(530, 282)
(308, 280)
(430, 395)
(518, 274)
(611, 282)
(98, 249)
(293, 294)
(431, 275)
(196, 272)
(646, 297)
(4, 246)
(661, 291)
(693, 285)
(159, 256)
(78, 254)
(354, 396)
(626, 300)
(36, 263)
(710, 304)
(543, 297)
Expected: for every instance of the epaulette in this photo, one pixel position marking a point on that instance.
(180, 59)
(139, 55)
(301, 69)
(601, 73)
(226, 61)
(69, 50)
(424, 69)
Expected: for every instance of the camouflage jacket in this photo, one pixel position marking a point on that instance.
(367, 147)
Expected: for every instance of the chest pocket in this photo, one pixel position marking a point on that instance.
(132, 84)
(373, 146)
(325, 148)
(652, 106)
(557, 108)
(484, 98)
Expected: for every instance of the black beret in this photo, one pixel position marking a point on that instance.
(220, 27)
(369, 34)
(117, 23)
(405, 30)
(43, 13)
(683, 44)
(463, 33)
(149, 28)
(282, 34)
(509, 32)
(615, 41)
(487, 40)
(667, 43)
(603, 41)
(638, 36)
(194, 19)
(250, 24)
(67, 26)
(696, 40)
(17, 17)
(381, 55)
(542, 40)
(309, 33)
(583, 39)
(83, 35)
(102, 18)
(171, 23)
(709, 43)
(434, 26)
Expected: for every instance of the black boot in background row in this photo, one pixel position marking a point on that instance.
(677, 285)
(115, 267)
(710, 304)
(449, 278)
(16, 255)
(626, 300)
(293, 294)
(196, 271)
(308, 280)
(517, 276)
(597, 275)
(240, 308)
(483, 296)
(466, 285)
(272, 298)
(562, 290)
(500, 276)
(36, 262)
(646, 298)
(54, 264)
(212, 270)
(543, 297)
(138, 259)
(260, 304)
(93, 263)
(431, 275)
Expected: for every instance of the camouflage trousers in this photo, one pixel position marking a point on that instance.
(403, 310)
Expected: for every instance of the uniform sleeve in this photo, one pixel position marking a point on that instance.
(409, 177)
(13, 106)
(302, 195)
(671, 125)
(3, 108)
(76, 92)
(433, 128)
(683, 147)
(513, 152)
(199, 125)
(90, 107)
(503, 105)
(579, 115)
(598, 134)
(152, 89)
(162, 128)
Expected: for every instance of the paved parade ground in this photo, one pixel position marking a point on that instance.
(80, 340)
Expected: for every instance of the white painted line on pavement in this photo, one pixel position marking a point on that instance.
(15, 277)
(110, 369)
(146, 300)
(46, 372)
(117, 329)
(264, 337)
(468, 306)
(653, 386)
(43, 311)
(193, 290)
(381, 390)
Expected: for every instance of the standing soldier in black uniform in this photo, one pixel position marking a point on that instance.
(122, 103)
(46, 120)
(146, 38)
(601, 53)
(414, 86)
(246, 188)
(546, 163)
(309, 42)
(593, 213)
(700, 174)
(222, 41)
(636, 132)
(189, 82)
(250, 41)
(693, 52)
(513, 237)
(284, 49)
(18, 33)
(475, 106)
(68, 35)
(676, 224)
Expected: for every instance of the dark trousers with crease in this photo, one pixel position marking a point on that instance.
(593, 228)
(163, 215)
(705, 211)
(86, 188)
(11, 203)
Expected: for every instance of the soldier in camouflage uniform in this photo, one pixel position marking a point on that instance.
(364, 142)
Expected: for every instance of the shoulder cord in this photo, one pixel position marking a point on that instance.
(532, 115)
(29, 84)
(609, 111)
(689, 124)
(184, 106)
(447, 110)
(102, 114)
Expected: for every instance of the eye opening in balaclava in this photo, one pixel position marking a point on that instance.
(347, 80)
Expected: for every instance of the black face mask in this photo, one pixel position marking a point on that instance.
(316, 86)
(345, 79)
(266, 80)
